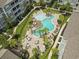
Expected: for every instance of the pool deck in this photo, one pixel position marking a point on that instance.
(32, 43)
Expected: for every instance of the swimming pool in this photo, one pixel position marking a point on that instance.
(46, 23)
(40, 16)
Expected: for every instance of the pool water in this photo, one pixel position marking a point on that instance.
(46, 22)
(40, 17)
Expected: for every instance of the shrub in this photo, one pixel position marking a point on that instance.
(59, 21)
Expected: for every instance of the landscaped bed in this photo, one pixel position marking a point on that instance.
(25, 26)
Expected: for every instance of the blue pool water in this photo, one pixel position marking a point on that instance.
(40, 17)
(46, 22)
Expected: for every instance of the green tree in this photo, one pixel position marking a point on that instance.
(45, 30)
(3, 41)
(56, 4)
(35, 54)
(68, 7)
(46, 42)
(12, 43)
(61, 19)
(63, 7)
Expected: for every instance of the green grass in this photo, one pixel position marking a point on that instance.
(54, 57)
(24, 26)
(54, 53)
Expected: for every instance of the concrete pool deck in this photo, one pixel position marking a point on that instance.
(31, 43)
(49, 22)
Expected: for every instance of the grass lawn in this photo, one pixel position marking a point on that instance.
(54, 57)
(24, 26)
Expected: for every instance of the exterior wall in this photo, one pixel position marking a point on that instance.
(47, 1)
(2, 20)
(13, 10)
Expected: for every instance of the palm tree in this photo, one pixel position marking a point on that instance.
(45, 30)
(40, 32)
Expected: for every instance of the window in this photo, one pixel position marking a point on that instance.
(16, 1)
(14, 8)
(17, 6)
(57, 46)
(19, 10)
(27, 2)
(16, 13)
(12, 3)
(1, 10)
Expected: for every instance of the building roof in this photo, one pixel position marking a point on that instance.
(72, 35)
(6, 54)
(4, 2)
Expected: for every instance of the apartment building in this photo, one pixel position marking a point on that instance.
(46, 1)
(11, 11)
(2, 20)
(74, 3)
